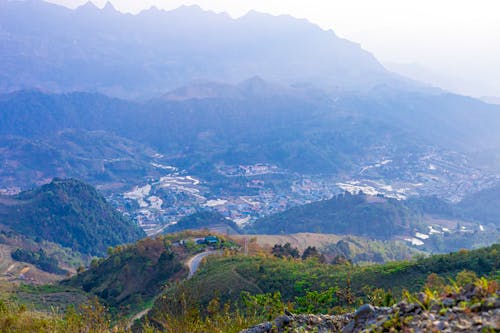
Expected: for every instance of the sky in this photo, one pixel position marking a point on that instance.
(453, 44)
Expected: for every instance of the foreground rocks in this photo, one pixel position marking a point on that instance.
(467, 311)
(303, 323)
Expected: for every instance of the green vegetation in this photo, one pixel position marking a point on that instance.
(232, 292)
(49, 296)
(91, 317)
(384, 218)
(180, 313)
(70, 213)
(40, 259)
(45, 256)
(132, 275)
(482, 206)
(285, 251)
(326, 288)
(359, 214)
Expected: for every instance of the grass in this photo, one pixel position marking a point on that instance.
(227, 276)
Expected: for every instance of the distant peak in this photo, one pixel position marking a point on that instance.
(190, 8)
(153, 9)
(89, 5)
(253, 12)
(109, 7)
(254, 81)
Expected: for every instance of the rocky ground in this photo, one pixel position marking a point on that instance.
(473, 309)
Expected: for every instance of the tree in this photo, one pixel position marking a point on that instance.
(285, 251)
(312, 252)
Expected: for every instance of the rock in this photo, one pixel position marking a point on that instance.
(463, 325)
(422, 297)
(435, 307)
(411, 308)
(476, 307)
(261, 328)
(478, 321)
(349, 328)
(478, 313)
(364, 310)
(438, 324)
(491, 303)
(448, 302)
(283, 321)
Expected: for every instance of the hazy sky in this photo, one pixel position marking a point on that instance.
(452, 43)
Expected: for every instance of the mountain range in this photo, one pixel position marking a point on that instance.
(122, 96)
(155, 51)
(258, 89)
(104, 140)
(113, 125)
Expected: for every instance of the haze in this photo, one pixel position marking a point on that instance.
(451, 44)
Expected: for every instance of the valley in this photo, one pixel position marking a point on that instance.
(260, 190)
(198, 171)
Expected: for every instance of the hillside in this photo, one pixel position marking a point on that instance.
(432, 224)
(70, 213)
(483, 206)
(361, 215)
(232, 291)
(358, 250)
(132, 275)
(265, 283)
(95, 156)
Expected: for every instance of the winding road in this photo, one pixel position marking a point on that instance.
(194, 262)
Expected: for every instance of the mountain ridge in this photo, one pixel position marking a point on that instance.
(214, 46)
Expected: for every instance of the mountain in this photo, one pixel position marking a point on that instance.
(361, 215)
(96, 156)
(148, 53)
(70, 213)
(483, 206)
(433, 224)
(297, 128)
(491, 99)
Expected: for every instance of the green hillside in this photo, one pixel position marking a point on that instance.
(483, 206)
(317, 287)
(360, 214)
(133, 274)
(70, 213)
(438, 226)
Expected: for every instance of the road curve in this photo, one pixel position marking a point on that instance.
(137, 317)
(194, 262)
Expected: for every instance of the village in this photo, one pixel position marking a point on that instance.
(268, 189)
